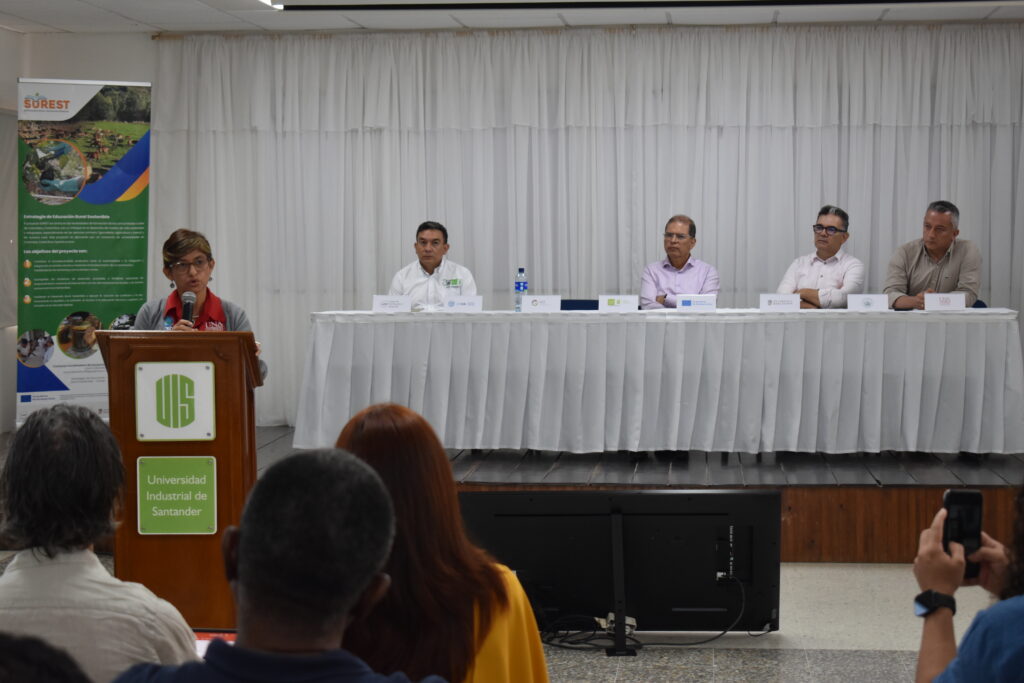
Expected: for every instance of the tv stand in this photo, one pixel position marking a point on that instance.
(619, 648)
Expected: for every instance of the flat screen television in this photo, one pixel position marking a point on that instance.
(674, 560)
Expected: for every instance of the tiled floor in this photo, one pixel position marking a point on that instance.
(839, 622)
(662, 665)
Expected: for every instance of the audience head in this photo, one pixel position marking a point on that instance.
(831, 230)
(25, 658)
(314, 535)
(444, 589)
(61, 480)
(404, 450)
(940, 227)
(1014, 585)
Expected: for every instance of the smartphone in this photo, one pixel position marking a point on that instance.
(963, 524)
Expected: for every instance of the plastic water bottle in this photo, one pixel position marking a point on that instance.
(520, 289)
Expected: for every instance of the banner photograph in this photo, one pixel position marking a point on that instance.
(83, 213)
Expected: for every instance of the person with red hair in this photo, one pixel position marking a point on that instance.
(452, 609)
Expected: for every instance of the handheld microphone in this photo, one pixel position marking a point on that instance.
(188, 301)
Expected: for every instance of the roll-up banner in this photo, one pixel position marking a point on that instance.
(83, 214)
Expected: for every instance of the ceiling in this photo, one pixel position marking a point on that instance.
(252, 16)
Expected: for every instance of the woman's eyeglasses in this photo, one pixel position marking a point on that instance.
(184, 266)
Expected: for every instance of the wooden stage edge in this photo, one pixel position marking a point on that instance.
(870, 524)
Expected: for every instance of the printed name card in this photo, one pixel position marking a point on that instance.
(697, 303)
(618, 302)
(778, 303)
(464, 304)
(545, 303)
(948, 301)
(867, 302)
(385, 303)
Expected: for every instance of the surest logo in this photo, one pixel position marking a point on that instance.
(37, 101)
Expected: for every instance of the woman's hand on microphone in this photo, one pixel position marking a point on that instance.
(184, 325)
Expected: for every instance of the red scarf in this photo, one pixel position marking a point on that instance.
(209, 318)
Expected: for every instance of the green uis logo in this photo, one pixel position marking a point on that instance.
(175, 401)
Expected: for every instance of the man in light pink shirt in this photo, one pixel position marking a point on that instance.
(824, 278)
(679, 273)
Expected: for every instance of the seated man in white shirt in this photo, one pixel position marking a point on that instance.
(824, 278)
(432, 278)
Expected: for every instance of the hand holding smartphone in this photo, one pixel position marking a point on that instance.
(963, 524)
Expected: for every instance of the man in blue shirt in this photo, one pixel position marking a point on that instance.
(304, 564)
(992, 649)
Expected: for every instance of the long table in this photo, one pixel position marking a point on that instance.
(732, 380)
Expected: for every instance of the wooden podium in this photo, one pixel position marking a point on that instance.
(182, 566)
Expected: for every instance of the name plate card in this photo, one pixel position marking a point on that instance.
(385, 303)
(618, 303)
(697, 303)
(948, 301)
(867, 302)
(545, 303)
(464, 304)
(778, 303)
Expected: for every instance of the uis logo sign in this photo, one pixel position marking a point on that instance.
(38, 101)
(175, 401)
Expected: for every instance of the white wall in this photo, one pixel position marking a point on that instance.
(96, 57)
(11, 47)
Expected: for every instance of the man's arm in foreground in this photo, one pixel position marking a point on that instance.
(941, 572)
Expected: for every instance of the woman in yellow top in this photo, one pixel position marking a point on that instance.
(451, 610)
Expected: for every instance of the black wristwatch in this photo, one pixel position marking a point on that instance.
(929, 601)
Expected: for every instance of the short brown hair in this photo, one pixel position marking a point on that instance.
(685, 220)
(182, 242)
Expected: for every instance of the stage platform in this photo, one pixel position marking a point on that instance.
(867, 507)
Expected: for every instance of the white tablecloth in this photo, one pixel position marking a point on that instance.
(733, 380)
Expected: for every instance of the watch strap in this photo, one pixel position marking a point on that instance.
(929, 601)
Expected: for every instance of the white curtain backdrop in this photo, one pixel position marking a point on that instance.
(310, 160)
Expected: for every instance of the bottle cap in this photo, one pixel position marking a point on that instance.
(522, 270)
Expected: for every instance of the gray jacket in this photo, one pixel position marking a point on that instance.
(150, 317)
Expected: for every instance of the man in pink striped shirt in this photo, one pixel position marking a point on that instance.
(824, 278)
(679, 272)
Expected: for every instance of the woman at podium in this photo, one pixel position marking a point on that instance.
(188, 264)
(451, 610)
